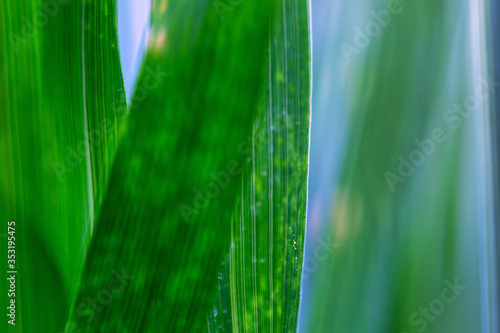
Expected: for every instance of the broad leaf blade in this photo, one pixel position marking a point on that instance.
(46, 178)
(209, 76)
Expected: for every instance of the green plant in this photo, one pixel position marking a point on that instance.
(109, 234)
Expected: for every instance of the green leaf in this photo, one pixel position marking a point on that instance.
(40, 119)
(259, 285)
(56, 83)
(124, 215)
(166, 218)
(105, 105)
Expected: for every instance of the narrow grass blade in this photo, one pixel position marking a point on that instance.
(259, 285)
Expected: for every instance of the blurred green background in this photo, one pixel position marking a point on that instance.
(380, 82)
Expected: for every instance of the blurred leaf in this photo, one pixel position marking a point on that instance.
(399, 242)
(165, 222)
